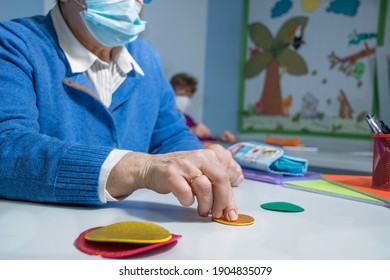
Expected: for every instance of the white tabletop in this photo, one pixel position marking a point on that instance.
(329, 228)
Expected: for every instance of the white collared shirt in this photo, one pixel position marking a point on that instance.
(104, 77)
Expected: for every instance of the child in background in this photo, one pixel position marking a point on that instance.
(185, 87)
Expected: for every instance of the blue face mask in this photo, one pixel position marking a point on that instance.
(113, 22)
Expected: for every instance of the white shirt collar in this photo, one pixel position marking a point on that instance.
(80, 58)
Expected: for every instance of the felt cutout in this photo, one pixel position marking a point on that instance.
(243, 220)
(116, 249)
(282, 207)
(130, 232)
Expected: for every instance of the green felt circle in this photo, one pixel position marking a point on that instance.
(282, 207)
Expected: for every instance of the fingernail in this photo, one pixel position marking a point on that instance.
(216, 215)
(232, 215)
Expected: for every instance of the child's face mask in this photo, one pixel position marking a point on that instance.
(113, 22)
(182, 102)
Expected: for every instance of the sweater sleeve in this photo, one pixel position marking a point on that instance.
(33, 165)
(171, 132)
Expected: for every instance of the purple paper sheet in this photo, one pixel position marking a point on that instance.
(277, 179)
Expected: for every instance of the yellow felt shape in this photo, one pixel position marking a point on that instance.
(130, 232)
(243, 220)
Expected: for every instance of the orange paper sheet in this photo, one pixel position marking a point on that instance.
(358, 183)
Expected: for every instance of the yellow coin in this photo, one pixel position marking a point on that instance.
(130, 232)
(243, 220)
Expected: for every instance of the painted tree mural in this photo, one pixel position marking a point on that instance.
(272, 54)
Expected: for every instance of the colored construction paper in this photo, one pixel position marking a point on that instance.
(362, 184)
(243, 220)
(282, 207)
(116, 249)
(130, 232)
(325, 187)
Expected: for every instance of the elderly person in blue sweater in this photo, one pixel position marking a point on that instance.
(87, 116)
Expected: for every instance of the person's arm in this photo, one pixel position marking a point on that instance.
(112, 159)
(37, 166)
(33, 165)
(165, 171)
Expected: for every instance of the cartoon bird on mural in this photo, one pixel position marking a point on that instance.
(296, 34)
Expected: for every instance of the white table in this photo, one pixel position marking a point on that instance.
(329, 228)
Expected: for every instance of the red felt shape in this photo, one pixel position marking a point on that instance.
(115, 249)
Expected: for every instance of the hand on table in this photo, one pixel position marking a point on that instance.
(205, 174)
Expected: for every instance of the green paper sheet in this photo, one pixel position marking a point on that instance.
(328, 188)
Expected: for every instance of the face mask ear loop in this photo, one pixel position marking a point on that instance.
(84, 6)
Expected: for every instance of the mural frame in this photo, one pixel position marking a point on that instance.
(244, 113)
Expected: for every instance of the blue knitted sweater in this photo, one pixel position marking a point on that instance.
(54, 132)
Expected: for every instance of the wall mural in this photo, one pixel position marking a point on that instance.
(309, 66)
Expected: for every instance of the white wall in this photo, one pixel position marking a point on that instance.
(20, 8)
(47, 5)
(177, 29)
(24, 8)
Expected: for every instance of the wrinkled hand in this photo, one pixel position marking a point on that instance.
(177, 172)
